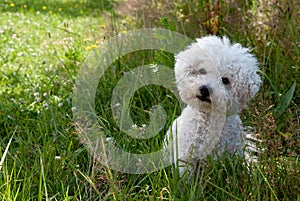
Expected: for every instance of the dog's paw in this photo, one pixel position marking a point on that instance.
(252, 145)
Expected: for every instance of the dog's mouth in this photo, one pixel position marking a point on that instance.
(204, 98)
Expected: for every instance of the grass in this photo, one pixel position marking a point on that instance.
(42, 46)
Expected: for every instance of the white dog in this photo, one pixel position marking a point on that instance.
(216, 80)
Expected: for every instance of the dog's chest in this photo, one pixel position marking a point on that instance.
(194, 134)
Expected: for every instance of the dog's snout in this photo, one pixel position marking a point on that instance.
(205, 90)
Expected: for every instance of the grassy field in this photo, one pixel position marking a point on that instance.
(44, 43)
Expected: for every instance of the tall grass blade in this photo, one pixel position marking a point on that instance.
(6, 149)
(267, 182)
(285, 100)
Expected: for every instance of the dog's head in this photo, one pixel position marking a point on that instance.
(212, 72)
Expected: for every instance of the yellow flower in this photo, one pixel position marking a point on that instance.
(12, 5)
(87, 39)
(91, 47)
(94, 46)
(25, 6)
(59, 9)
(50, 12)
(44, 7)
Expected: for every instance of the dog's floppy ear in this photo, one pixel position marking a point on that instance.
(245, 66)
(180, 67)
(249, 84)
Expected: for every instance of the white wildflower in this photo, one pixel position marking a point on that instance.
(36, 94)
(74, 109)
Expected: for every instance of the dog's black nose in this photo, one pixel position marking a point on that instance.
(205, 91)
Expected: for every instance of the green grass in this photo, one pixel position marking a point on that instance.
(44, 43)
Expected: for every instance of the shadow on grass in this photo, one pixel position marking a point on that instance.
(71, 8)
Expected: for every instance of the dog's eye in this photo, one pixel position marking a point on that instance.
(225, 80)
(202, 71)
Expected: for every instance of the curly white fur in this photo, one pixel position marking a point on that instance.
(216, 80)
